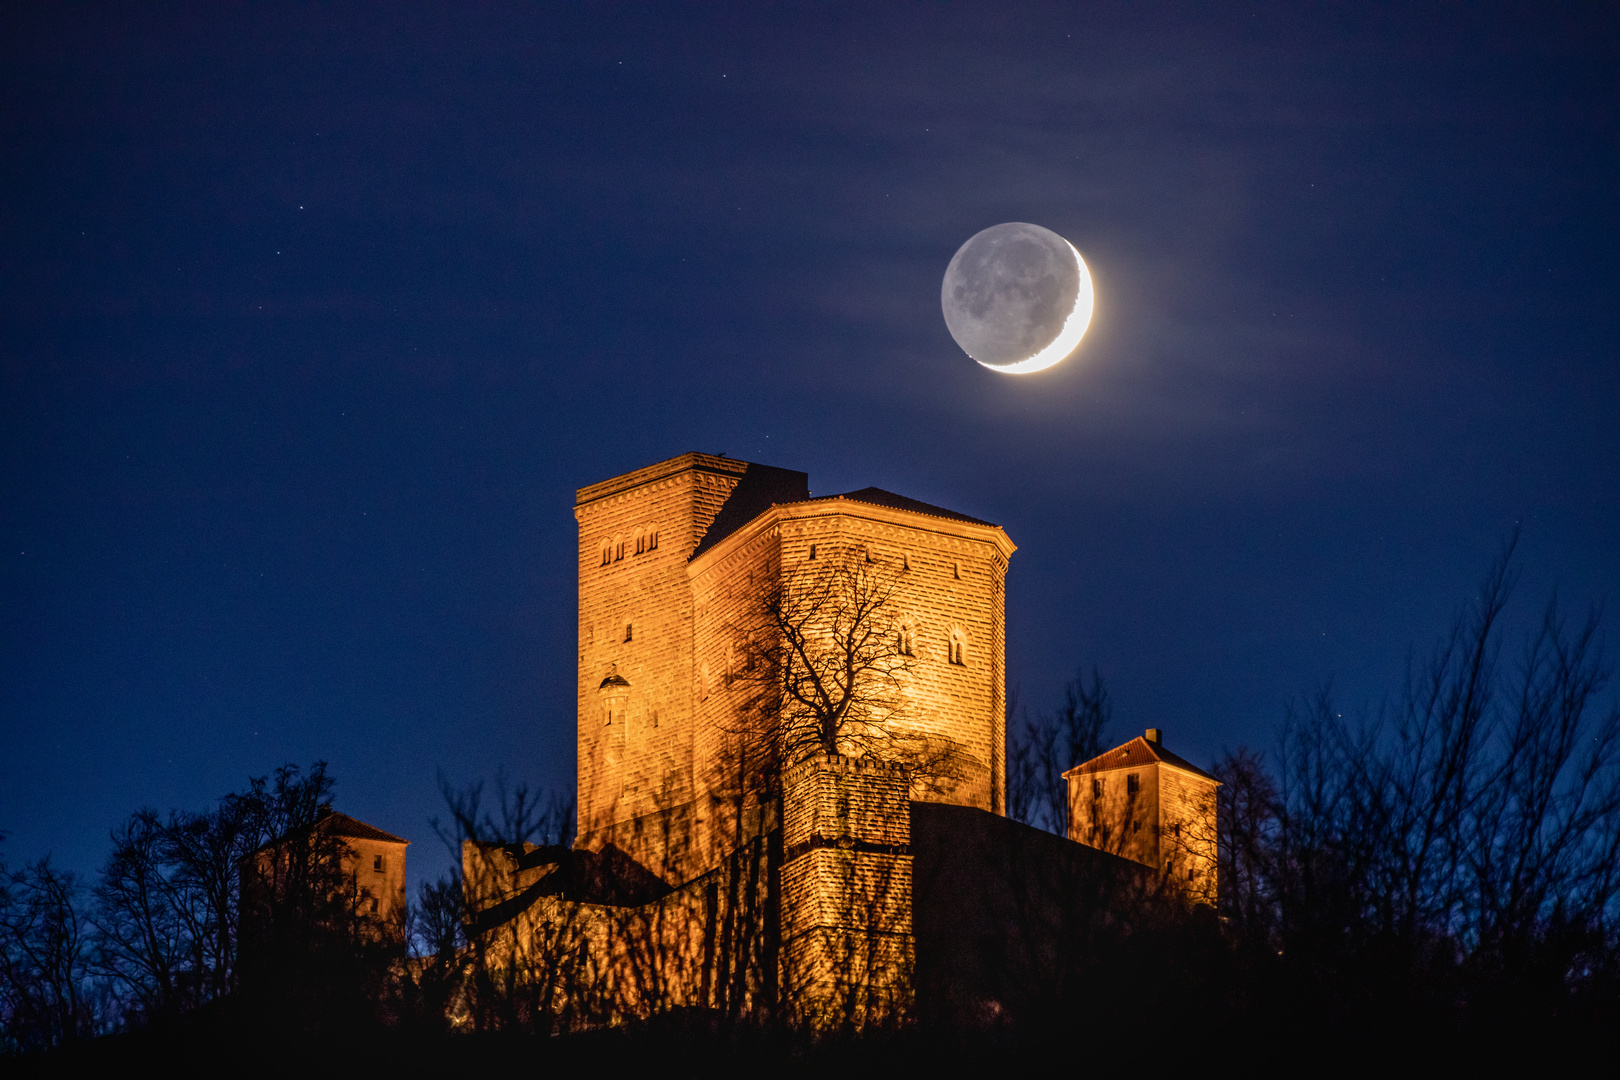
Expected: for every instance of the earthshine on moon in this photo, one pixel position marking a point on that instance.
(1017, 298)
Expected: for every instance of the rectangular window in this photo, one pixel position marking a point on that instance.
(1133, 784)
(1096, 789)
(376, 863)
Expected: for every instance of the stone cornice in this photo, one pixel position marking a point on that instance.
(663, 470)
(783, 514)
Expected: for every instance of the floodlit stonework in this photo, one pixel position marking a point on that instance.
(748, 849)
(1142, 802)
(670, 558)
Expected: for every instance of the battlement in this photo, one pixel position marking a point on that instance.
(832, 797)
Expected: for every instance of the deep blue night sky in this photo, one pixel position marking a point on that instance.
(311, 322)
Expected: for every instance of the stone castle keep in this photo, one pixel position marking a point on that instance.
(792, 765)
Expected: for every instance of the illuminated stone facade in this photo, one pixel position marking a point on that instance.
(671, 558)
(1144, 803)
(832, 882)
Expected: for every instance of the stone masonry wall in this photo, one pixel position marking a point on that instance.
(949, 605)
(1187, 844)
(1168, 823)
(1117, 820)
(847, 951)
(635, 743)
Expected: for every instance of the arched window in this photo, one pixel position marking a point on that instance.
(607, 552)
(908, 639)
(641, 541)
(618, 546)
(652, 538)
(629, 631)
(957, 653)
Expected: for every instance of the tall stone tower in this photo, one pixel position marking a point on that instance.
(671, 554)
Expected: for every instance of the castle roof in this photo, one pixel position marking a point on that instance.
(1139, 751)
(344, 825)
(879, 497)
(764, 486)
(340, 825)
(760, 488)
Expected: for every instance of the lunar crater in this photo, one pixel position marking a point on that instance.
(1014, 292)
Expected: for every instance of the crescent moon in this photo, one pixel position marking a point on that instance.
(1068, 338)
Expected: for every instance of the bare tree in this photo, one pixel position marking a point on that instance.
(1052, 743)
(1459, 847)
(150, 932)
(507, 976)
(46, 998)
(824, 661)
(519, 815)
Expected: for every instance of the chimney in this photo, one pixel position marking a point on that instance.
(1152, 735)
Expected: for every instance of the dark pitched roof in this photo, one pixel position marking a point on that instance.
(1134, 753)
(879, 497)
(338, 825)
(765, 486)
(761, 487)
(344, 825)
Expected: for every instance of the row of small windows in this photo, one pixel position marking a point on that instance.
(642, 540)
(904, 557)
(1133, 785)
(955, 643)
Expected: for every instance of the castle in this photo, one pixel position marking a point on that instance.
(792, 766)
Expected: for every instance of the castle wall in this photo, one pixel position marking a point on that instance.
(664, 773)
(1105, 813)
(726, 758)
(1187, 844)
(949, 588)
(377, 869)
(571, 959)
(847, 954)
(635, 747)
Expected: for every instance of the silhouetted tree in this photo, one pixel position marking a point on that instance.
(46, 998)
(311, 954)
(481, 975)
(1452, 858)
(823, 661)
(1045, 747)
